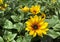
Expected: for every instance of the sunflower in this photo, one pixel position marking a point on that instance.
(25, 9)
(36, 26)
(1, 1)
(35, 9)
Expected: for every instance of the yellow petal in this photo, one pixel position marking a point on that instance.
(28, 23)
(44, 25)
(39, 32)
(34, 35)
(32, 20)
(25, 9)
(40, 23)
(31, 32)
(27, 29)
(44, 32)
(36, 18)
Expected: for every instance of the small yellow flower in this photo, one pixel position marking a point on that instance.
(53, 1)
(1, 1)
(36, 26)
(35, 9)
(25, 9)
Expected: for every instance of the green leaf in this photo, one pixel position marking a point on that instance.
(1, 39)
(19, 39)
(57, 27)
(13, 41)
(25, 38)
(19, 26)
(8, 25)
(1, 13)
(9, 36)
(2, 20)
(56, 12)
(53, 21)
(22, 39)
(16, 18)
(53, 34)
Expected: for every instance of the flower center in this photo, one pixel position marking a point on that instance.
(34, 11)
(35, 27)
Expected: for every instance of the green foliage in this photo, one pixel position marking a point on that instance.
(8, 25)
(53, 34)
(12, 20)
(1, 39)
(18, 26)
(27, 38)
(9, 36)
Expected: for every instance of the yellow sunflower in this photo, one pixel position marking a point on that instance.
(36, 26)
(35, 9)
(1, 1)
(25, 9)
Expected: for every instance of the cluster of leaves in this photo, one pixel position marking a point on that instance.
(12, 20)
